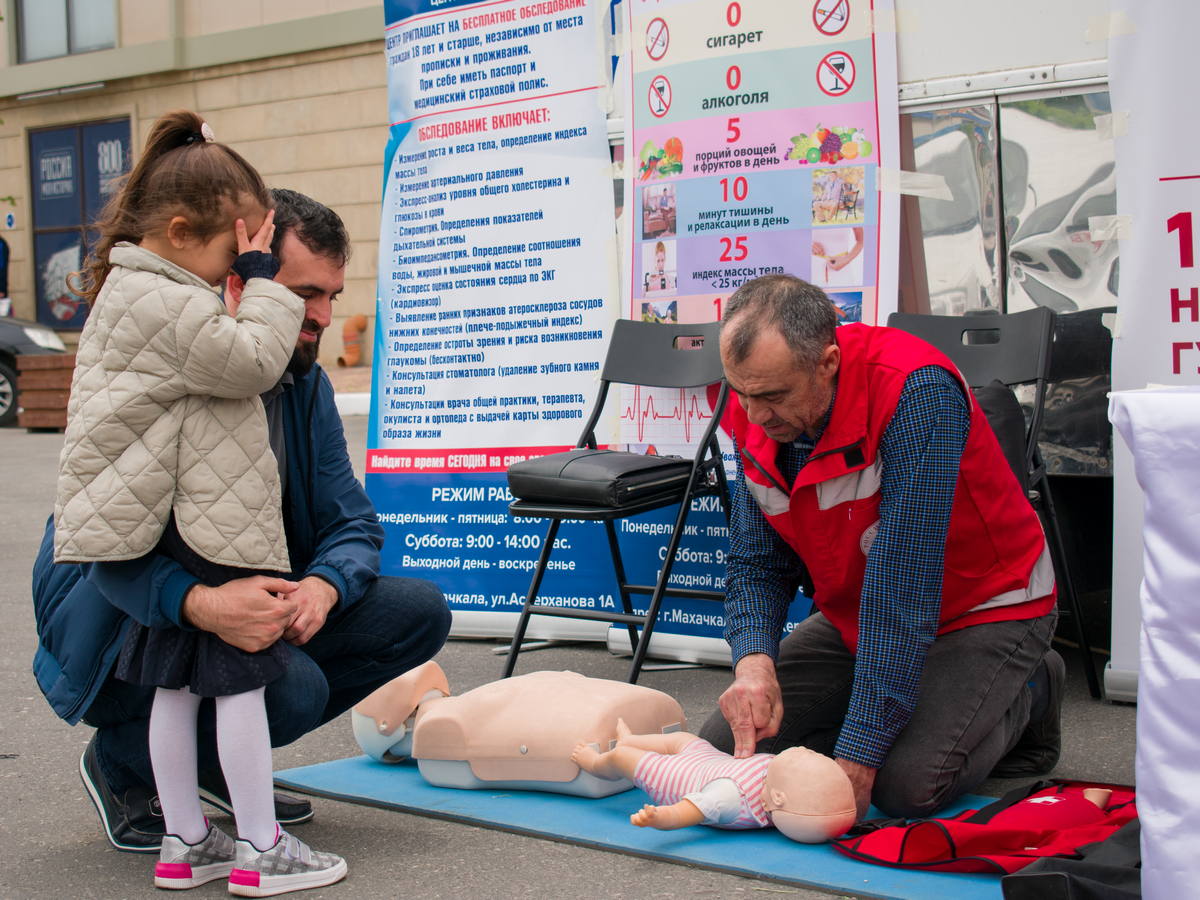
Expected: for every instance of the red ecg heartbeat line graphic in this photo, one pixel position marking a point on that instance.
(684, 412)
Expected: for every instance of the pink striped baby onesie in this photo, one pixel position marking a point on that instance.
(671, 778)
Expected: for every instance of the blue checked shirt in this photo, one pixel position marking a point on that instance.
(902, 586)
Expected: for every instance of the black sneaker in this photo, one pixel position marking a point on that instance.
(133, 820)
(1037, 751)
(289, 810)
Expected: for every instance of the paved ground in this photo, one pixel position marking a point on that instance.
(51, 844)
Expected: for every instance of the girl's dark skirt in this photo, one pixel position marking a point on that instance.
(173, 657)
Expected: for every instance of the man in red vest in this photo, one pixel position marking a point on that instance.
(864, 460)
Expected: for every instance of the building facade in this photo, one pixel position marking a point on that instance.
(297, 86)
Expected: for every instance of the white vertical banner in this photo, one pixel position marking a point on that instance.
(496, 293)
(1157, 342)
(1157, 330)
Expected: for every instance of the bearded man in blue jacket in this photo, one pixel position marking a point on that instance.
(349, 630)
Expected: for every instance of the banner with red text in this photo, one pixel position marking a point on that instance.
(1156, 334)
(496, 291)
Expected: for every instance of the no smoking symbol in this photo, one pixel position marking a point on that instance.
(660, 96)
(835, 74)
(658, 38)
(831, 16)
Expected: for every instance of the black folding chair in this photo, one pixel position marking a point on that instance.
(1014, 349)
(651, 355)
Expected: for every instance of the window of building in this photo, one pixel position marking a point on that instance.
(50, 28)
(74, 170)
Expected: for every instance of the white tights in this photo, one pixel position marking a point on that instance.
(244, 746)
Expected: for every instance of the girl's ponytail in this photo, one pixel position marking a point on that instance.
(181, 171)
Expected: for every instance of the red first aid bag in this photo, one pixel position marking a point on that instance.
(1047, 818)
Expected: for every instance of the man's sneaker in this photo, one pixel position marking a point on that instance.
(289, 810)
(290, 865)
(183, 865)
(1037, 751)
(132, 819)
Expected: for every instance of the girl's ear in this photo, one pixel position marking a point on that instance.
(233, 292)
(179, 232)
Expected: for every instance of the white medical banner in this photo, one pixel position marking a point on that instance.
(1157, 330)
(496, 292)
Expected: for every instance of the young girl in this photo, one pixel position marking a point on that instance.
(167, 450)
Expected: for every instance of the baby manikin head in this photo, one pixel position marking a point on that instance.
(808, 796)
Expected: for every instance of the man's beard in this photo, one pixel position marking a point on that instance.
(304, 357)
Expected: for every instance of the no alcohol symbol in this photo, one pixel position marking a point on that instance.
(835, 73)
(660, 96)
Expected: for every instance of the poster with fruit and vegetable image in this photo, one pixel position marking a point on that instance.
(756, 133)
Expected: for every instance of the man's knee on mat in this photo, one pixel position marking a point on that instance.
(902, 797)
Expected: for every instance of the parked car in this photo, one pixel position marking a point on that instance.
(19, 337)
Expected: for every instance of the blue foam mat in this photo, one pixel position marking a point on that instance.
(604, 824)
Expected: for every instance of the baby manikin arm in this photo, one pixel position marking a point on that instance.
(668, 744)
(717, 803)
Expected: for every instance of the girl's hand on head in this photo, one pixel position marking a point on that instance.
(262, 238)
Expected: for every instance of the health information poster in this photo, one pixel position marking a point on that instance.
(755, 138)
(497, 290)
(756, 134)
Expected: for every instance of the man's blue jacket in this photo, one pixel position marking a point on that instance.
(83, 611)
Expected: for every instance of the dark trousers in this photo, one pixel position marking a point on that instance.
(973, 706)
(398, 624)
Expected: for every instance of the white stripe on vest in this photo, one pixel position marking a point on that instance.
(1041, 583)
(771, 500)
(857, 485)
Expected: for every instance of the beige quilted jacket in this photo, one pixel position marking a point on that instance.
(165, 414)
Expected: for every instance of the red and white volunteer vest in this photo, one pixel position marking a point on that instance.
(1042, 819)
(997, 564)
